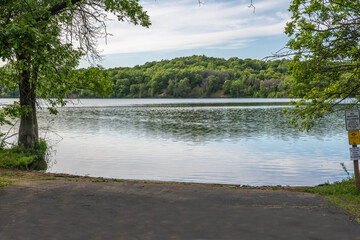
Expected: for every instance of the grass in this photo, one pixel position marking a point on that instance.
(5, 178)
(13, 158)
(118, 180)
(20, 158)
(342, 193)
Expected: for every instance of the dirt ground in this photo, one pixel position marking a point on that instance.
(15, 176)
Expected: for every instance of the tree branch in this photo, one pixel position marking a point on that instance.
(61, 6)
(252, 6)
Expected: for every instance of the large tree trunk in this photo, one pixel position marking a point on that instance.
(28, 131)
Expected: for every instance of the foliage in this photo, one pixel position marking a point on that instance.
(42, 43)
(200, 76)
(5, 178)
(24, 158)
(326, 58)
(46, 33)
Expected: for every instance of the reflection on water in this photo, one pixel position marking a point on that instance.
(191, 124)
(217, 142)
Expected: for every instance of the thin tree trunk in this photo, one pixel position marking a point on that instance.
(28, 131)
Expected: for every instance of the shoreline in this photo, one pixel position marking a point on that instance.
(15, 176)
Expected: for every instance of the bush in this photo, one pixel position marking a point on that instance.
(21, 158)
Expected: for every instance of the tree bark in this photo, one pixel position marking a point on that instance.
(28, 131)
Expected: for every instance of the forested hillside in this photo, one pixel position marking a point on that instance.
(198, 76)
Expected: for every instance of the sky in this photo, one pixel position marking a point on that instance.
(216, 28)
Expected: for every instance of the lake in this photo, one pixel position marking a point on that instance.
(234, 141)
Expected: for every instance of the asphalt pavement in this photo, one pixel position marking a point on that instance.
(64, 210)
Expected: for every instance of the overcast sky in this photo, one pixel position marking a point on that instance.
(218, 28)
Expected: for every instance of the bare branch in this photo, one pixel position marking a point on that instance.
(252, 6)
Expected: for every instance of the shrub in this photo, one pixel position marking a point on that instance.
(21, 158)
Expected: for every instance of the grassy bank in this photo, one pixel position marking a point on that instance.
(18, 157)
(342, 193)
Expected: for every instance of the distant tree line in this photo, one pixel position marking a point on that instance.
(197, 76)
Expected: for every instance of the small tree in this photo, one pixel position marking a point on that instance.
(326, 63)
(184, 87)
(42, 43)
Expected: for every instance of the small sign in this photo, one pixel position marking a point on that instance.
(354, 153)
(352, 118)
(354, 137)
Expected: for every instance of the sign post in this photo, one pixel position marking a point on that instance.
(352, 119)
(355, 156)
(356, 173)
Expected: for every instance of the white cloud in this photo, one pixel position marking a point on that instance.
(179, 25)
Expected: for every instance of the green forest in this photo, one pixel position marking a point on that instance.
(195, 77)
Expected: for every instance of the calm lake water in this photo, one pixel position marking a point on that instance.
(235, 141)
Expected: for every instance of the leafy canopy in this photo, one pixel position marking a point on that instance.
(47, 38)
(326, 57)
